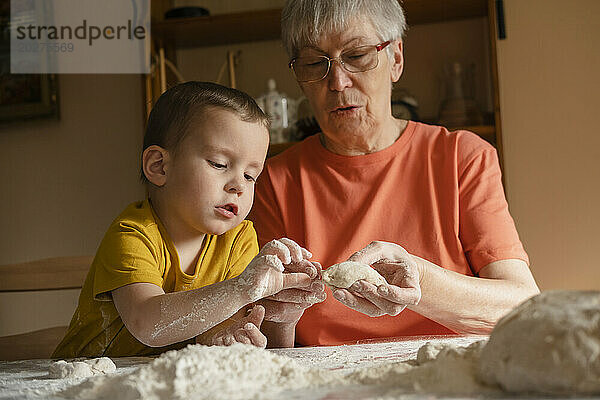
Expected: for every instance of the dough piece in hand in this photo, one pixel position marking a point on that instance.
(81, 369)
(344, 274)
(549, 344)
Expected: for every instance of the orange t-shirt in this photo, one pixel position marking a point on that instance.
(436, 193)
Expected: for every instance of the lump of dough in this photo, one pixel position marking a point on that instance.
(428, 352)
(102, 365)
(549, 344)
(81, 369)
(344, 274)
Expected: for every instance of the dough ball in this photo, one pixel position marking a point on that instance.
(428, 352)
(549, 344)
(81, 369)
(344, 274)
(76, 369)
(102, 365)
(55, 370)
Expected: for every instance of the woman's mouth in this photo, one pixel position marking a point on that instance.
(345, 110)
(229, 210)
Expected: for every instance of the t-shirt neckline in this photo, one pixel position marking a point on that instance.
(381, 155)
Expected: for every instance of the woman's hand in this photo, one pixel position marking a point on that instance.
(246, 330)
(400, 270)
(264, 275)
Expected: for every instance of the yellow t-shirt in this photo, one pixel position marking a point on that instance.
(137, 248)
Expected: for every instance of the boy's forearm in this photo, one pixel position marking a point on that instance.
(279, 334)
(179, 316)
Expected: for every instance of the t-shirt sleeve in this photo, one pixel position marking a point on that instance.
(245, 248)
(487, 230)
(126, 255)
(266, 213)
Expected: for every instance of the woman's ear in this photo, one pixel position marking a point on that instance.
(397, 62)
(155, 161)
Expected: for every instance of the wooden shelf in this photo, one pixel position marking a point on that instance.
(265, 24)
(430, 11)
(219, 29)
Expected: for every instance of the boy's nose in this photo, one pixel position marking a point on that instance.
(234, 186)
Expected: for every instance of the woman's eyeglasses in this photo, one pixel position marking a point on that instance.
(358, 59)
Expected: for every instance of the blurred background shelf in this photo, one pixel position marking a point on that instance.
(219, 29)
(259, 25)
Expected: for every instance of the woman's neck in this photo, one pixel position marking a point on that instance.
(361, 143)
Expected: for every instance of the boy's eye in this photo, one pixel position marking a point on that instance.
(250, 178)
(216, 164)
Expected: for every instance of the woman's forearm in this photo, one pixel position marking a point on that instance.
(469, 304)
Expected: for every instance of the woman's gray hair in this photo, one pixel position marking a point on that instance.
(304, 22)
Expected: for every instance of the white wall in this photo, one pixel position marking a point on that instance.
(549, 91)
(64, 181)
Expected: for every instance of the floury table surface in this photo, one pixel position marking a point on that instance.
(29, 379)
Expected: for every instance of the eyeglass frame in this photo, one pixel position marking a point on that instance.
(378, 47)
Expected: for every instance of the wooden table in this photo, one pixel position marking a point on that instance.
(29, 379)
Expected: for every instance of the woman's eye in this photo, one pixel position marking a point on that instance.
(250, 178)
(315, 63)
(311, 61)
(216, 164)
(355, 55)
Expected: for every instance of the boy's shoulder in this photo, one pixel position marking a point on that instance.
(138, 214)
(139, 219)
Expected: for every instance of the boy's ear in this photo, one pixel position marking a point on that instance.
(155, 161)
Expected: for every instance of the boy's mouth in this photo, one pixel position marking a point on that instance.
(228, 209)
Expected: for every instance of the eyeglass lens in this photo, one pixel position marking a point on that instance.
(358, 59)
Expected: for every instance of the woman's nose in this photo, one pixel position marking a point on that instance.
(338, 77)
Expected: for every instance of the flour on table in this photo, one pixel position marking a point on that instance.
(246, 372)
(451, 371)
(202, 372)
(81, 369)
(344, 274)
(548, 344)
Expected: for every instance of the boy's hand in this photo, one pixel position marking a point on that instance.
(246, 330)
(286, 250)
(264, 275)
(288, 305)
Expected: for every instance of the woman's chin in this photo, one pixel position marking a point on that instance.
(346, 129)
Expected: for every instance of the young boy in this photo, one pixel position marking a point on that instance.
(183, 261)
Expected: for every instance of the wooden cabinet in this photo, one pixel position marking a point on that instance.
(237, 29)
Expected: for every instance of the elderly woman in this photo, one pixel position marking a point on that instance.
(423, 206)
